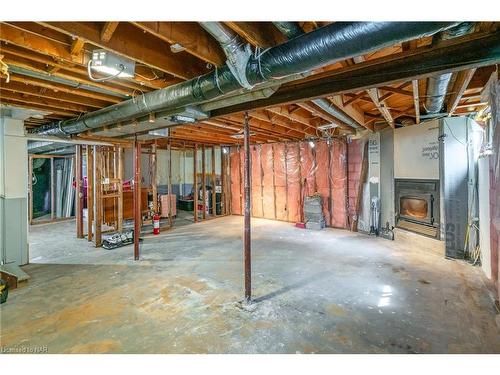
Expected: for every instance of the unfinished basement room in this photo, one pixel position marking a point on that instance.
(283, 187)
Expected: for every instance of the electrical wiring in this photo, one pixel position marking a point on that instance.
(89, 72)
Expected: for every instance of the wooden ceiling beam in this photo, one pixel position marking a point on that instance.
(142, 48)
(260, 34)
(52, 103)
(461, 82)
(33, 42)
(190, 36)
(108, 30)
(381, 106)
(260, 125)
(76, 47)
(140, 80)
(285, 112)
(472, 51)
(43, 108)
(285, 124)
(416, 100)
(398, 90)
(72, 76)
(24, 88)
(57, 87)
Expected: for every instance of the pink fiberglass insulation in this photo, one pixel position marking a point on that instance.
(268, 189)
(256, 181)
(280, 181)
(323, 177)
(234, 160)
(284, 173)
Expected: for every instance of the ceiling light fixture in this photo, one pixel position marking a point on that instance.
(180, 119)
(114, 66)
(176, 48)
(328, 126)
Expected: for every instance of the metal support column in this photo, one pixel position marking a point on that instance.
(247, 239)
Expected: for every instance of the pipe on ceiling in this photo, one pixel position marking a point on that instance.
(67, 82)
(324, 46)
(292, 30)
(437, 86)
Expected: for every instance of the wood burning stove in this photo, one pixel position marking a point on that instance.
(417, 205)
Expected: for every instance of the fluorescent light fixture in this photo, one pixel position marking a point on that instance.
(180, 119)
(240, 135)
(328, 126)
(111, 65)
(159, 132)
(176, 48)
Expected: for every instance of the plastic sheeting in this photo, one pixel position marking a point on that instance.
(283, 174)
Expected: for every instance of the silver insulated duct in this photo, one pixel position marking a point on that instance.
(437, 86)
(292, 30)
(324, 46)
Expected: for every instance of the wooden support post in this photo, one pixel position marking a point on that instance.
(137, 197)
(203, 178)
(120, 170)
(78, 191)
(90, 192)
(247, 231)
(214, 194)
(169, 151)
(98, 153)
(195, 182)
(154, 182)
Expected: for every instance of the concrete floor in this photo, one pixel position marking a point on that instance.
(316, 292)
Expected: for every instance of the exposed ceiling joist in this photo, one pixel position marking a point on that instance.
(33, 42)
(472, 51)
(381, 106)
(462, 81)
(416, 100)
(108, 30)
(261, 34)
(23, 88)
(189, 36)
(142, 48)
